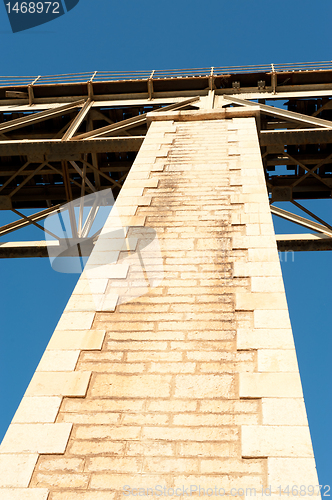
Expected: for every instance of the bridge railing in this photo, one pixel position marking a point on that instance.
(109, 76)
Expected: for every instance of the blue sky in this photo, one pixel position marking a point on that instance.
(140, 34)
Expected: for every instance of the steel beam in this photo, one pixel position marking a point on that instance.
(132, 122)
(284, 214)
(287, 115)
(13, 226)
(303, 242)
(295, 137)
(23, 249)
(56, 150)
(38, 117)
(77, 121)
(160, 98)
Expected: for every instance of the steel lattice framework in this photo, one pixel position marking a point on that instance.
(65, 136)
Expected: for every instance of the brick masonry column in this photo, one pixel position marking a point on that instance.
(191, 383)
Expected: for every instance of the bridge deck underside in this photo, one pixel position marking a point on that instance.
(63, 140)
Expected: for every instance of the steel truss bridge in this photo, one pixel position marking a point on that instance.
(65, 136)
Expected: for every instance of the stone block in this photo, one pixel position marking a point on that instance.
(254, 241)
(146, 419)
(148, 183)
(284, 411)
(215, 420)
(111, 245)
(193, 449)
(83, 495)
(118, 482)
(128, 210)
(277, 360)
(173, 465)
(89, 287)
(273, 385)
(140, 201)
(116, 433)
(86, 302)
(57, 480)
(124, 221)
(172, 406)
(36, 438)
(37, 410)
(86, 448)
(172, 367)
(253, 230)
(236, 406)
(137, 191)
(114, 464)
(233, 465)
(263, 254)
(47, 463)
(257, 300)
(271, 319)
(276, 441)
(16, 469)
(59, 384)
(250, 197)
(143, 347)
(263, 338)
(251, 269)
(58, 361)
(102, 256)
(24, 494)
(110, 271)
(77, 339)
(204, 386)
(292, 472)
(266, 284)
(223, 482)
(95, 302)
(89, 418)
(197, 434)
(253, 208)
(128, 386)
(76, 321)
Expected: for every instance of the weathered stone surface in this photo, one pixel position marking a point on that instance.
(16, 469)
(187, 380)
(284, 411)
(204, 386)
(276, 441)
(37, 410)
(277, 360)
(128, 386)
(292, 472)
(272, 385)
(24, 494)
(265, 338)
(58, 361)
(59, 384)
(76, 321)
(36, 438)
(72, 339)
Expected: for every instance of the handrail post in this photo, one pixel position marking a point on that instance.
(90, 86)
(211, 79)
(150, 85)
(273, 79)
